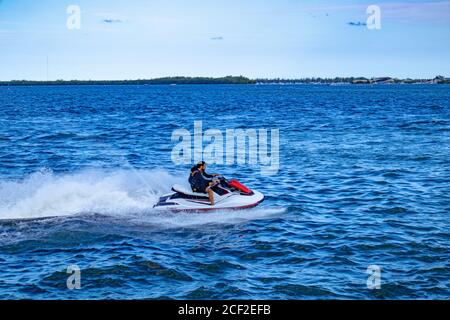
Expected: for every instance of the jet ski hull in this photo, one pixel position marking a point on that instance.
(184, 200)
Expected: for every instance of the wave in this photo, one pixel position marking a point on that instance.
(169, 220)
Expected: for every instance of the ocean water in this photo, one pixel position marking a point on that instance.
(364, 180)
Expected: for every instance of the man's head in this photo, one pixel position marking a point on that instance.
(201, 165)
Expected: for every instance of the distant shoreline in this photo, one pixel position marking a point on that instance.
(231, 80)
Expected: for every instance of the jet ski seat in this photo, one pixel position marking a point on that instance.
(184, 190)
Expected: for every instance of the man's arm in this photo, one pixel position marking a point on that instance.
(210, 176)
(206, 176)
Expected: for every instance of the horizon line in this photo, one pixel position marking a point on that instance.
(227, 77)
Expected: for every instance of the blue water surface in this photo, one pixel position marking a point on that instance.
(364, 180)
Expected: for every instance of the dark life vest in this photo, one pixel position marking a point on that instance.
(197, 181)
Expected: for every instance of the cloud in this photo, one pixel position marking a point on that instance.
(357, 24)
(112, 21)
(433, 10)
(400, 10)
(216, 38)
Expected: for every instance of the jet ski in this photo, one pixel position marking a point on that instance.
(228, 195)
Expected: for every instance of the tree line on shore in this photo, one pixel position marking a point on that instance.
(231, 80)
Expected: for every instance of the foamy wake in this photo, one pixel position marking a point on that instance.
(185, 220)
(130, 193)
(44, 194)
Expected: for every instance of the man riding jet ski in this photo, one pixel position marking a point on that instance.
(209, 192)
(200, 181)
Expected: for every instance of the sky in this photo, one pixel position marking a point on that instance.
(130, 39)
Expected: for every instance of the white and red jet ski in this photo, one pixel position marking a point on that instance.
(228, 195)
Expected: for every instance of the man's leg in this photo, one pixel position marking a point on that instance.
(210, 192)
(211, 196)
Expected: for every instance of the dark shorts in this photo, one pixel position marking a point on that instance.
(203, 189)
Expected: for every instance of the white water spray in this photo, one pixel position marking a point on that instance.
(44, 194)
(120, 193)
